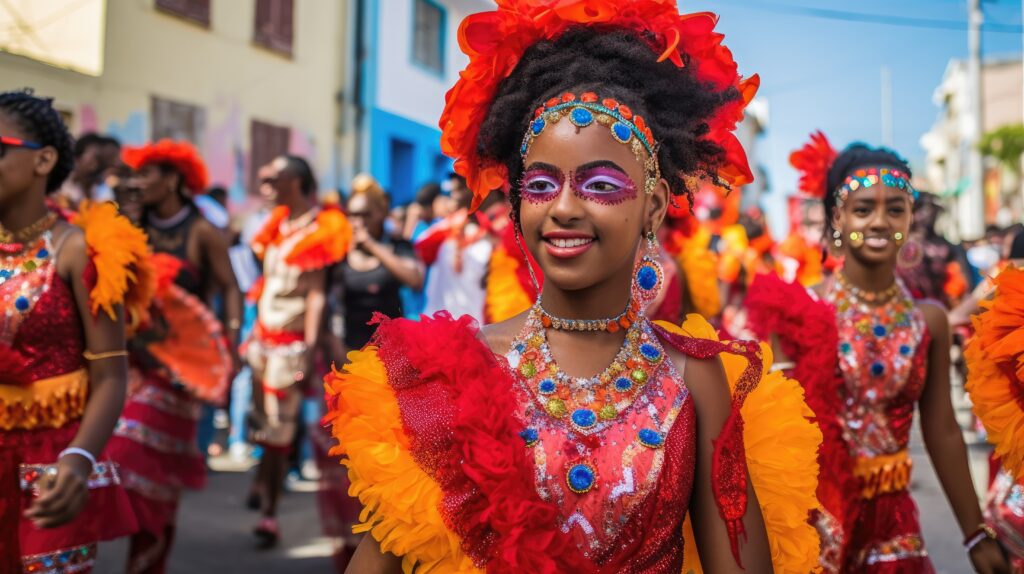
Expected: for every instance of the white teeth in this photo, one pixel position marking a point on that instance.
(564, 243)
(876, 241)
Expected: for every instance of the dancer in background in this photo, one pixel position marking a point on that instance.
(867, 355)
(66, 290)
(181, 357)
(578, 435)
(298, 244)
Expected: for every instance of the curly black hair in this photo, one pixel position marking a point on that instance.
(42, 124)
(618, 64)
(857, 156)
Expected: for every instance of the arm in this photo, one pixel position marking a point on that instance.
(945, 443)
(316, 301)
(369, 559)
(710, 392)
(407, 269)
(215, 250)
(108, 377)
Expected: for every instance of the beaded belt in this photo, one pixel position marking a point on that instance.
(883, 474)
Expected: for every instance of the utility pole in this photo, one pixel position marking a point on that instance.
(887, 127)
(972, 202)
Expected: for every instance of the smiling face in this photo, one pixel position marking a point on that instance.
(878, 213)
(583, 207)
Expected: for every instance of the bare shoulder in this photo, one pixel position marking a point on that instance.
(72, 252)
(706, 381)
(935, 317)
(499, 336)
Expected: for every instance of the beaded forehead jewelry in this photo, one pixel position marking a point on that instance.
(865, 178)
(625, 126)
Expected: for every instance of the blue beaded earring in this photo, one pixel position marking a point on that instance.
(648, 274)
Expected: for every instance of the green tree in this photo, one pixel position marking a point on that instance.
(1005, 144)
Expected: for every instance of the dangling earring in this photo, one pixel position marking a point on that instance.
(899, 237)
(838, 239)
(856, 239)
(648, 274)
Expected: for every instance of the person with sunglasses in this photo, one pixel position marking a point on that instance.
(66, 289)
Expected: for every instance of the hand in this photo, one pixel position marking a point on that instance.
(62, 496)
(988, 558)
(361, 237)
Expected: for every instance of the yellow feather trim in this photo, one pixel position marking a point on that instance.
(401, 503)
(46, 403)
(781, 444)
(994, 354)
(120, 253)
(700, 266)
(505, 296)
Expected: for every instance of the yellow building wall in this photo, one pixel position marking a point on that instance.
(151, 53)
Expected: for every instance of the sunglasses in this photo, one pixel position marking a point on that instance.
(9, 142)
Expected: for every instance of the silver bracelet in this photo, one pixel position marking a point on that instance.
(80, 452)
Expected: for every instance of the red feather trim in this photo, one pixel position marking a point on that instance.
(813, 162)
(325, 246)
(807, 333)
(178, 154)
(496, 40)
(458, 408)
(729, 460)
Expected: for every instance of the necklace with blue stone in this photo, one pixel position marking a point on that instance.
(585, 403)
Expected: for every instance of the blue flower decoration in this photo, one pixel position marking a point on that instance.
(650, 352)
(529, 436)
(623, 384)
(647, 277)
(581, 478)
(547, 386)
(650, 438)
(877, 369)
(584, 418)
(582, 117)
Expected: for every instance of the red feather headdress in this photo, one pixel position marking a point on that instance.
(495, 41)
(179, 154)
(813, 162)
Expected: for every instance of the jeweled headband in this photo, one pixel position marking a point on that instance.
(625, 126)
(868, 177)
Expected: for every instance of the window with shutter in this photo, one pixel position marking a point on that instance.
(197, 11)
(275, 25)
(428, 35)
(268, 142)
(176, 120)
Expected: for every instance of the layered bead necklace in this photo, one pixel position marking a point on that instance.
(24, 272)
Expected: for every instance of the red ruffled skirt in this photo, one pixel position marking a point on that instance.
(107, 514)
(155, 445)
(887, 537)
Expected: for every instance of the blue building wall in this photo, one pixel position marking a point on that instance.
(404, 154)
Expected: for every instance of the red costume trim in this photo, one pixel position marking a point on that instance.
(325, 246)
(813, 161)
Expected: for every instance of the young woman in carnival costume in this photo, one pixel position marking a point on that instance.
(867, 355)
(565, 439)
(180, 357)
(995, 382)
(66, 289)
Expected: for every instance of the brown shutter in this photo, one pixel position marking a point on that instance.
(268, 142)
(197, 11)
(275, 23)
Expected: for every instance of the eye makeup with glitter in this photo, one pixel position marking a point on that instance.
(541, 183)
(603, 182)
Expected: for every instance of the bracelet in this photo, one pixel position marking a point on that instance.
(981, 533)
(80, 452)
(90, 356)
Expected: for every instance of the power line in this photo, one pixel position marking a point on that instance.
(902, 21)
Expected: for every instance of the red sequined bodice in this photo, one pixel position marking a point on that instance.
(614, 453)
(883, 360)
(40, 329)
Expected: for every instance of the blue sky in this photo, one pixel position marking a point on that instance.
(820, 73)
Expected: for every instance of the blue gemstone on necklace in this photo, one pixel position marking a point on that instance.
(581, 478)
(650, 438)
(845, 347)
(905, 350)
(621, 132)
(623, 384)
(529, 436)
(5, 273)
(546, 387)
(647, 277)
(877, 369)
(537, 126)
(581, 117)
(21, 303)
(42, 254)
(650, 352)
(879, 330)
(584, 418)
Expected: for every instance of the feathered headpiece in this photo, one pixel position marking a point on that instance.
(495, 41)
(813, 162)
(179, 154)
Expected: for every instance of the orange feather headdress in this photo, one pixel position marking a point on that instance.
(495, 41)
(178, 154)
(813, 161)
